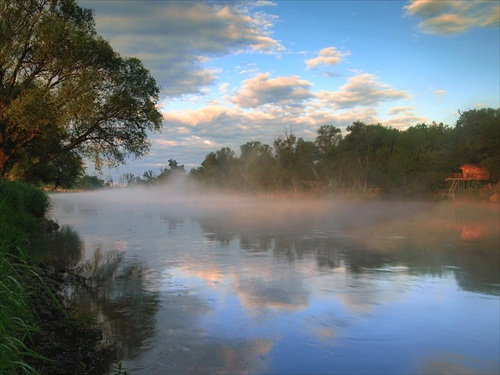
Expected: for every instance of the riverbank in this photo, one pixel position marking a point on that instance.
(69, 342)
(39, 335)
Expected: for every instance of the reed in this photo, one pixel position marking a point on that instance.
(16, 321)
(22, 208)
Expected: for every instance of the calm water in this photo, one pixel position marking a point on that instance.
(275, 286)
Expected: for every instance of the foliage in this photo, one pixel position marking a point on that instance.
(66, 95)
(62, 172)
(89, 183)
(16, 320)
(21, 209)
(476, 139)
(411, 161)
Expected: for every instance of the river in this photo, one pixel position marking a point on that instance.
(224, 285)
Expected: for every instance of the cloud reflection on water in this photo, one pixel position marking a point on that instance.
(226, 285)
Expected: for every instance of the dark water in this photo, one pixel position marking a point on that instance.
(261, 286)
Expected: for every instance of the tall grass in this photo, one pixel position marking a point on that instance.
(16, 321)
(21, 209)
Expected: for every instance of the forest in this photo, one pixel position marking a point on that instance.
(368, 158)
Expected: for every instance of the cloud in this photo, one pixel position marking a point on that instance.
(327, 56)
(280, 91)
(404, 121)
(404, 117)
(174, 39)
(439, 92)
(453, 17)
(400, 110)
(264, 106)
(203, 115)
(361, 90)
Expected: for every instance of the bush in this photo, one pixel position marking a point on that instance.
(21, 209)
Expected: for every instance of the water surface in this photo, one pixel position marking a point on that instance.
(274, 286)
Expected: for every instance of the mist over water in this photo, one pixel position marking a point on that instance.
(189, 282)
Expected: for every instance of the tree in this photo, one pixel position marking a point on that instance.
(218, 168)
(128, 179)
(284, 149)
(148, 176)
(258, 167)
(89, 183)
(327, 143)
(306, 158)
(367, 154)
(356, 155)
(476, 140)
(64, 89)
(63, 171)
(423, 156)
(328, 139)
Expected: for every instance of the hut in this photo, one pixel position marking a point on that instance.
(470, 173)
(474, 172)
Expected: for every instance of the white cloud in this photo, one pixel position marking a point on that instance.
(404, 121)
(361, 90)
(400, 110)
(446, 17)
(327, 56)
(280, 91)
(439, 92)
(167, 143)
(223, 87)
(403, 117)
(174, 39)
(194, 117)
(264, 106)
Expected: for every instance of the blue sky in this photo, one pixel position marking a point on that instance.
(232, 72)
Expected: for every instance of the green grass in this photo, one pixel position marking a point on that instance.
(22, 207)
(16, 322)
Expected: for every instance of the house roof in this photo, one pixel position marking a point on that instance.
(470, 166)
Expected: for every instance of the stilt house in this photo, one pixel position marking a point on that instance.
(469, 173)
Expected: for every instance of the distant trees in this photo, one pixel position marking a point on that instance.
(89, 183)
(258, 166)
(412, 161)
(476, 139)
(368, 158)
(66, 95)
(220, 169)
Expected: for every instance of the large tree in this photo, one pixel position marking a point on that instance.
(63, 89)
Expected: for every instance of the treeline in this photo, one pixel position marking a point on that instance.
(414, 161)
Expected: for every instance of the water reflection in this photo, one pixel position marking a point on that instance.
(255, 286)
(62, 249)
(117, 291)
(420, 242)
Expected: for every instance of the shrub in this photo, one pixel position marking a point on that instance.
(21, 209)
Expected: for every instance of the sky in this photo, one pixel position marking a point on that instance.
(231, 72)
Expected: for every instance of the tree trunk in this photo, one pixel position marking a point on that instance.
(3, 161)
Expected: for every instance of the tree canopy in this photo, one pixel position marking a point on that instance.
(65, 94)
(412, 161)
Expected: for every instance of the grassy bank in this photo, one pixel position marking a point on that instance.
(21, 210)
(37, 334)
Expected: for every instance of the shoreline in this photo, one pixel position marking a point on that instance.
(65, 341)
